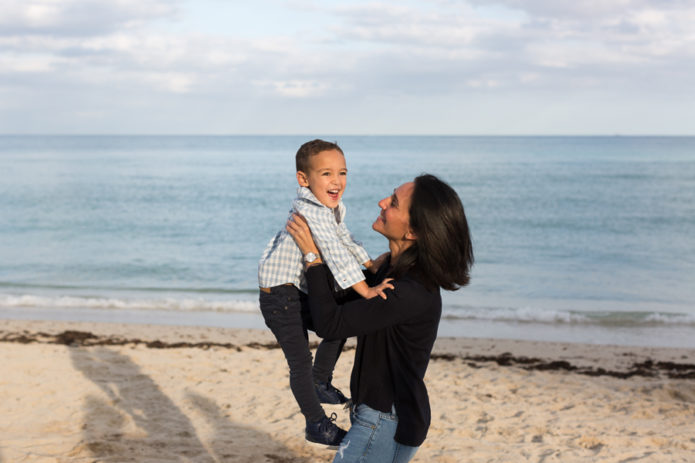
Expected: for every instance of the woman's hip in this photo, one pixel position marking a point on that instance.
(371, 438)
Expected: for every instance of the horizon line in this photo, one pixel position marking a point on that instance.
(615, 135)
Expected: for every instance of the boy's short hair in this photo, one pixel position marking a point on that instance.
(312, 148)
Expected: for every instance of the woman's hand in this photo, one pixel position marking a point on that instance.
(299, 229)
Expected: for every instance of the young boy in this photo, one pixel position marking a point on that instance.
(321, 174)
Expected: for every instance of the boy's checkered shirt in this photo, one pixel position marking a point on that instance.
(281, 261)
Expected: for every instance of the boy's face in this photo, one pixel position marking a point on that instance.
(326, 178)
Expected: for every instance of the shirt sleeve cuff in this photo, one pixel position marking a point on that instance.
(347, 281)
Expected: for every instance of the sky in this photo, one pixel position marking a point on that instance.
(459, 67)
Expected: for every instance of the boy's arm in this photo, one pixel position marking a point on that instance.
(340, 260)
(354, 246)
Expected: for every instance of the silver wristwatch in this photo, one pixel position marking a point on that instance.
(310, 257)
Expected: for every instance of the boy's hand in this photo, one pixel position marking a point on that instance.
(378, 290)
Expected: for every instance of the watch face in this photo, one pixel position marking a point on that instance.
(309, 257)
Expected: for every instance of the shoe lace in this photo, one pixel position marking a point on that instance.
(329, 422)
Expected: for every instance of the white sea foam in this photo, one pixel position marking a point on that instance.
(455, 312)
(102, 303)
(546, 316)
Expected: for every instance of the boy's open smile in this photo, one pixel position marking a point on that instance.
(334, 194)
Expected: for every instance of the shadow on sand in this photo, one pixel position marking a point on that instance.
(141, 423)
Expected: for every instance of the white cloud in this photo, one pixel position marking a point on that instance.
(295, 88)
(175, 82)
(79, 17)
(482, 83)
(12, 63)
(586, 10)
(404, 25)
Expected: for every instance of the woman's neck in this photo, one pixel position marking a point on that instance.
(397, 247)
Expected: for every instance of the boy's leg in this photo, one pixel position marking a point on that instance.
(326, 357)
(281, 310)
(327, 354)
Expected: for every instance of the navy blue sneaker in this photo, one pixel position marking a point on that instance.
(325, 432)
(329, 394)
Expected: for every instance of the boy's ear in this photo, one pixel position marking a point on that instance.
(302, 179)
(410, 235)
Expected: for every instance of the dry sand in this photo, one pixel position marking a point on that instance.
(74, 392)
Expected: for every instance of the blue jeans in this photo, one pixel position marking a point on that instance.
(370, 439)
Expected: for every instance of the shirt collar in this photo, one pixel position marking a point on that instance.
(305, 193)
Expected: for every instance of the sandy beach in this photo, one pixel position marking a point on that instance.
(86, 392)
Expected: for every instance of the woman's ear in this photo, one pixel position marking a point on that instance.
(302, 179)
(410, 235)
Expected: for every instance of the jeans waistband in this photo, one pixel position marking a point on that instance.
(366, 410)
(274, 289)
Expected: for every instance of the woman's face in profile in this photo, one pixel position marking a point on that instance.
(394, 220)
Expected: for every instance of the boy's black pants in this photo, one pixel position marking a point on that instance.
(287, 315)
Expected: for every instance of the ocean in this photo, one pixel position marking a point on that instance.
(579, 239)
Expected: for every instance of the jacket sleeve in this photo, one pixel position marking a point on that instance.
(361, 316)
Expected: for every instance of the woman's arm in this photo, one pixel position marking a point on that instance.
(405, 302)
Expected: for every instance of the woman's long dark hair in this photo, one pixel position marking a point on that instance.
(442, 254)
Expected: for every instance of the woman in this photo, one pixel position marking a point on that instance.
(430, 248)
